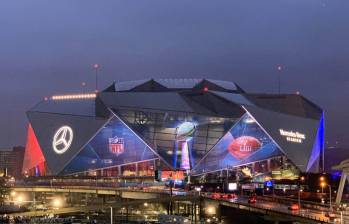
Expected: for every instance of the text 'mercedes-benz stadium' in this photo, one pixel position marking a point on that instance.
(196, 125)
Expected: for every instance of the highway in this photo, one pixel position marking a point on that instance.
(262, 205)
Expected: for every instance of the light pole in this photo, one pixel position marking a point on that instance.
(96, 67)
(111, 215)
(329, 187)
(323, 184)
(279, 68)
(83, 85)
(299, 198)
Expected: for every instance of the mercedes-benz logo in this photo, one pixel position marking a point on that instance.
(62, 139)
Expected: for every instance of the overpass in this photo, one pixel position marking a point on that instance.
(344, 167)
(275, 211)
(122, 192)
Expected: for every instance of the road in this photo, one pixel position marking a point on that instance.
(313, 212)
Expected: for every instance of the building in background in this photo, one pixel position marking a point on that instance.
(11, 161)
(198, 126)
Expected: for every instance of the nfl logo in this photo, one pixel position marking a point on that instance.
(116, 145)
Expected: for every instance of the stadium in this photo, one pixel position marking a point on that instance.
(194, 126)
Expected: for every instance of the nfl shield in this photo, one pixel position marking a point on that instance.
(116, 145)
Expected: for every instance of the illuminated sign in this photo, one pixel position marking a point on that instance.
(185, 130)
(292, 136)
(62, 139)
(269, 183)
(232, 186)
(116, 145)
(244, 146)
(172, 175)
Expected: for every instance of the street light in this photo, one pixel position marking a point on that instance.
(299, 198)
(211, 210)
(198, 189)
(57, 203)
(323, 184)
(96, 67)
(20, 199)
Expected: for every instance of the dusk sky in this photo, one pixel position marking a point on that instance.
(48, 47)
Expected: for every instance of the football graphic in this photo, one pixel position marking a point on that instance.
(185, 130)
(243, 146)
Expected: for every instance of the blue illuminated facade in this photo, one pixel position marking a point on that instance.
(230, 151)
(115, 144)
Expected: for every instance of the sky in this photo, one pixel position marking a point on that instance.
(49, 47)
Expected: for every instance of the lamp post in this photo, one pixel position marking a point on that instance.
(96, 67)
(329, 187)
(279, 68)
(323, 184)
(111, 215)
(299, 198)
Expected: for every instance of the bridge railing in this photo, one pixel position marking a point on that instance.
(268, 210)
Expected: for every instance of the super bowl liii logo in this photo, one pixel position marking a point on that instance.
(116, 145)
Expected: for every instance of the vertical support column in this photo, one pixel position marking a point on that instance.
(341, 186)
(268, 165)
(283, 161)
(86, 199)
(253, 167)
(119, 171)
(137, 172)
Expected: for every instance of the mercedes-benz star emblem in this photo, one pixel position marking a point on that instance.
(62, 139)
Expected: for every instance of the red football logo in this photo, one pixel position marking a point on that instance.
(244, 146)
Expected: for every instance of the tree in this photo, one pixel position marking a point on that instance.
(4, 190)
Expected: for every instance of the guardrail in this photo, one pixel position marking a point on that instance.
(268, 211)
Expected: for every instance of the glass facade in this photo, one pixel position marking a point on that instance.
(181, 139)
(115, 144)
(244, 143)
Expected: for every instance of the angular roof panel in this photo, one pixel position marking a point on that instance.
(174, 84)
(46, 125)
(225, 84)
(147, 100)
(292, 104)
(178, 83)
(282, 128)
(234, 98)
(83, 107)
(127, 85)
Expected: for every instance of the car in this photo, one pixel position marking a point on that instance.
(233, 196)
(216, 195)
(252, 199)
(225, 196)
(229, 196)
(330, 215)
(294, 207)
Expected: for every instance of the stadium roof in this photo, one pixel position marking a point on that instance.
(221, 98)
(172, 84)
